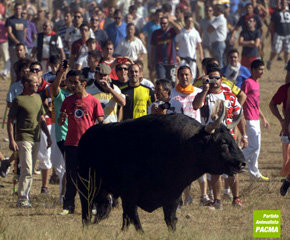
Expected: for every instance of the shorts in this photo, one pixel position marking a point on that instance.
(279, 42)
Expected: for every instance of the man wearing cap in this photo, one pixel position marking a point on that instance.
(107, 93)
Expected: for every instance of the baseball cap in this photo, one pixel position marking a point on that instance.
(103, 69)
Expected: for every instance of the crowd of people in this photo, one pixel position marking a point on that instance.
(83, 64)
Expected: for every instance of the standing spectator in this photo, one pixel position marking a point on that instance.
(110, 18)
(250, 40)
(79, 47)
(31, 33)
(280, 25)
(208, 101)
(122, 70)
(243, 21)
(116, 30)
(235, 71)
(146, 36)
(204, 24)
(283, 96)
(57, 19)
(164, 104)
(107, 93)
(131, 46)
(179, 14)
(62, 31)
(218, 34)
(26, 108)
(4, 48)
(16, 28)
(138, 21)
(82, 61)
(138, 97)
(48, 44)
(163, 49)
(73, 33)
(232, 20)
(185, 93)
(253, 112)
(82, 111)
(39, 20)
(187, 41)
(100, 35)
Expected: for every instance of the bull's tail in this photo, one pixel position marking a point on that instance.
(88, 186)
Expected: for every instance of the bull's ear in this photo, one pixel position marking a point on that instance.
(210, 128)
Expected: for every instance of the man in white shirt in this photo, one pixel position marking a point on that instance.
(131, 46)
(188, 40)
(218, 30)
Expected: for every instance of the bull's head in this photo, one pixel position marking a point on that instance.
(220, 151)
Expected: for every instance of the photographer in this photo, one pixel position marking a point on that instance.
(208, 102)
(164, 105)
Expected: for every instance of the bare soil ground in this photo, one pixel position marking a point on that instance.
(195, 222)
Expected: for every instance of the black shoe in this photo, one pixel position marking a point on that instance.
(284, 187)
(54, 179)
(5, 164)
(44, 190)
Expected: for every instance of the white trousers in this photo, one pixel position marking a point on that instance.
(252, 152)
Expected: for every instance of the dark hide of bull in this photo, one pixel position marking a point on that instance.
(149, 161)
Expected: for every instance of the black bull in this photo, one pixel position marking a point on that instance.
(148, 162)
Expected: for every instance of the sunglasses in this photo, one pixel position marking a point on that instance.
(215, 77)
(94, 20)
(122, 68)
(117, 18)
(35, 70)
(77, 16)
(164, 23)
(84, 30)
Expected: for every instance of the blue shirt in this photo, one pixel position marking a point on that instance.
(149, 28)
(116, 34)
(15, 90)
(244, 73)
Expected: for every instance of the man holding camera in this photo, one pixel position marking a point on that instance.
(164, 104)
(208, 101)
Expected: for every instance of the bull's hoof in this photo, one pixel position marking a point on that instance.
(85, 222)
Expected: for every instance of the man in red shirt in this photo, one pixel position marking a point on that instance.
(82, 111)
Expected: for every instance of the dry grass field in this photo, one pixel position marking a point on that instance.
(195, 222)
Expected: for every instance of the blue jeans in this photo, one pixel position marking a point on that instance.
(217, 50)
(166, 72)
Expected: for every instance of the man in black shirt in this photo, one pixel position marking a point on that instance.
(280, 25)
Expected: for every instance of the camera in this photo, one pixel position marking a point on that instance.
(210, 80)
(65, 62)
(165, 105)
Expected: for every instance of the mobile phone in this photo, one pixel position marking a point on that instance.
(65, 63)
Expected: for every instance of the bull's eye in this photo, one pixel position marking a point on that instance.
(225, 147)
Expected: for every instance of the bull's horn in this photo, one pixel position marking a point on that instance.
(236, 121)
(210, 128)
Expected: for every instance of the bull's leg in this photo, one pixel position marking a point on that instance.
(130, 215)
(83, 190)
(169, 211)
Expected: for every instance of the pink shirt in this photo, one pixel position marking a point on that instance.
(3, 32)
(251, 106)
(82, 114)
